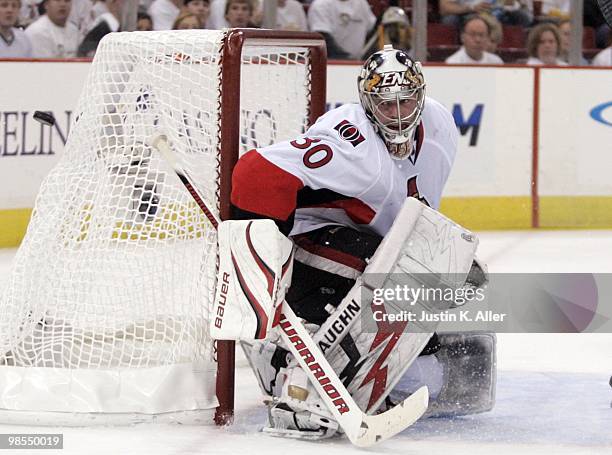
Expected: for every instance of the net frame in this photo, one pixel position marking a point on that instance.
(230, 121)
(233, 47)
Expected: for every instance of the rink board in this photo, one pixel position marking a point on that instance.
(505, 176)
(575, 169)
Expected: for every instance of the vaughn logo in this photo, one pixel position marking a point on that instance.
(339, 326)
(349, 132)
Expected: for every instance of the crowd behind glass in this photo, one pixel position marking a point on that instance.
(458, 31)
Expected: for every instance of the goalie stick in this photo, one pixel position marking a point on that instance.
(361, 429)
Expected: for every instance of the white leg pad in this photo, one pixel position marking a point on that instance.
(422, 248)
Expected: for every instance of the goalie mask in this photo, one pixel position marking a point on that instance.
(392, 92)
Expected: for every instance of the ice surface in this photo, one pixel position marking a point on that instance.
(553, 395)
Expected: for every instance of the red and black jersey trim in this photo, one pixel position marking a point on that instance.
(260, 189)
(356, 210)
(284, 226)
(333, 254)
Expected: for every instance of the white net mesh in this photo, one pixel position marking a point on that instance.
(117, 268)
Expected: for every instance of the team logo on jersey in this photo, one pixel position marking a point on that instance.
(413, 191)
(349, 132)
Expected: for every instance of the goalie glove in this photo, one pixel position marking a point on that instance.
(255, 264)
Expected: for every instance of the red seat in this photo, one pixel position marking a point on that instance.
(513, 55)
(513, 37)
(441, 35)
(588, 38)
(378, 6)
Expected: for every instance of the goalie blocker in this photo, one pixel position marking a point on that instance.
(255, 264)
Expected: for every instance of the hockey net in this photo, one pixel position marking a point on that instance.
(105, 314)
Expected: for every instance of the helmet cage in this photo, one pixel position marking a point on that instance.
(389, 77)
(396, 114)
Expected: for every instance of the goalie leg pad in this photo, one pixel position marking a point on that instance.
(370, 360)
(255, 264)
(469, 361)
(269, 362)
(421, 241)
(461, 375)
(425, 370)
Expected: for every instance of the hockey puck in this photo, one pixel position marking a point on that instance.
(46, 118)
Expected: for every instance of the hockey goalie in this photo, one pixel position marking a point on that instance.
(345, 209)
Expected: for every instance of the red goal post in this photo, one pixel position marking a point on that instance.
(231, 121)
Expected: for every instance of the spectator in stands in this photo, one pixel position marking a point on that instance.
(104, 24)
(30, 11)
(82, 15)
(290, 15)
(475, 37)
(604, 58)
(187, 21)
(510, 12)
(394, 28)
(144, 22)
(592, 17)
(200, 8)
(239, 13)
(51, 35)
(164, 13)
(344, 24)
(13, 41)
(565, 31)
(99, 7)
(216, 19)
(496, 35)
(544, 45)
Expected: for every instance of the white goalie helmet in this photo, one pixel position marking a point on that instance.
(392, 92)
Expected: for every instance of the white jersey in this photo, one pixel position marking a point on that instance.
(340, 173)
(291, 16)
(462, 57)
(163, 13)
(52, 41)
(604, 58)
(347, 21)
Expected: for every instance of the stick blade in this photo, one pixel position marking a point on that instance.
(377, 428)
